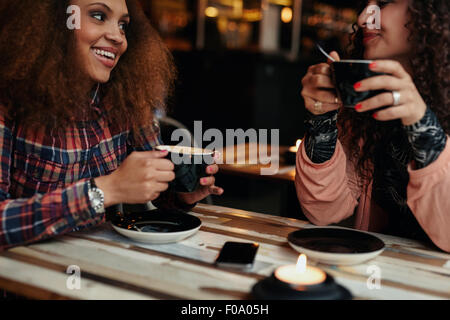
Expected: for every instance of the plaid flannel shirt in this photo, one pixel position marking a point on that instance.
(44, 178)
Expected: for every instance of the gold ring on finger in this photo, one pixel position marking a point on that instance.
(318, 107)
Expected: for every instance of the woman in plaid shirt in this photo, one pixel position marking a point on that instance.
(79, 83)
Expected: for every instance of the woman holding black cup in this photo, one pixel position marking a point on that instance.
(78, 93)
(387, 160)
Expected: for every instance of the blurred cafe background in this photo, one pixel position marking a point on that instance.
(240, 64)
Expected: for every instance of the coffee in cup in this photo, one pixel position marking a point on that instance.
(190, 166)
(345, 74)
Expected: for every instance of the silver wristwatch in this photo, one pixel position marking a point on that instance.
(96, 197)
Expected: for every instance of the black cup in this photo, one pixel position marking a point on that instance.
(345, 74)
(190, 166)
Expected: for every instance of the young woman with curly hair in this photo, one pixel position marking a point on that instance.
(76, 116)
(388, 160)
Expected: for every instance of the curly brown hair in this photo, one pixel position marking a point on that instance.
(429, 26)
(41, 87)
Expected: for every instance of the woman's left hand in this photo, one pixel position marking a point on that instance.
(411, 107)
(207, 187)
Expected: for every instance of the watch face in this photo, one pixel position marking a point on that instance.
(96, 198)
(96, 202)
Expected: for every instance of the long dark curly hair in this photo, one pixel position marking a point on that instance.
(41, 87)
(429, 58)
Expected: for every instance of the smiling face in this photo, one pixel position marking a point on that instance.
(391, 41)
(101, 40)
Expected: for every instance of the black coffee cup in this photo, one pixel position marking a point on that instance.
(345, 74)
(190, 166)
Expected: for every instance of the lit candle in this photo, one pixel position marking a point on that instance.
(297, 145)
(300, 274)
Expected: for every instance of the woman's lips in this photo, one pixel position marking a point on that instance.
(109, 63)
(370, 37)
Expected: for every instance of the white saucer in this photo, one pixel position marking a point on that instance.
(157, 226)
(336, 246)
(156, 238)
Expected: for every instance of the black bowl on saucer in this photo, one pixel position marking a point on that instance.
(156, 226)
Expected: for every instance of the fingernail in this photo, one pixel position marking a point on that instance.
(375, 115)
(373, 65)
(357, 85)
(203, 180)
(208, 170)
(358, 106)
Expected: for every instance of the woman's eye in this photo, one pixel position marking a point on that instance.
(98, 16)
(382, 4)
(123, 26)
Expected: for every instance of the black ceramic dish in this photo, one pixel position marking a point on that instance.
(189, 168)
(335, 240)
(272, 288)
(345, 74)
(157, 221)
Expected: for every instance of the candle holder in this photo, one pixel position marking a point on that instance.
(272, 288)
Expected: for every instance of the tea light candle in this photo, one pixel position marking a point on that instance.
(299, 282)
(297, 145)
(300, 274)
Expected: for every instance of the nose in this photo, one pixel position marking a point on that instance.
(363, 16)
(115, 35)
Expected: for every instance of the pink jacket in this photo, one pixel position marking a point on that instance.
(329, 193)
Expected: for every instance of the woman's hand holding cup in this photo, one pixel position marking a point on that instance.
(409, 107)
(141, 178)
(318, 89)
(207, 186)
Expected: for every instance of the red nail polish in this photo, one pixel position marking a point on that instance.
(373, 65)
(357, 85)
(375, 115)
(358, 106)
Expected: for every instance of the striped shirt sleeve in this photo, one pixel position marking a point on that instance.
(27, 220)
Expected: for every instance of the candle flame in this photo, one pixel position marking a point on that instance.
(297, 144)
(301, 264)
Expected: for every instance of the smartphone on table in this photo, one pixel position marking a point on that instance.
(240, 255)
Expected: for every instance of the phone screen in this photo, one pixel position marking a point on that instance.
(237, 254)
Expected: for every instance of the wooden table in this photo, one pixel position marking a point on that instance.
(113, 267)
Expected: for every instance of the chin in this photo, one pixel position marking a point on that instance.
(101, 78)
(372, 56)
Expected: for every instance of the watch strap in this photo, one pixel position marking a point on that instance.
(92, 183)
